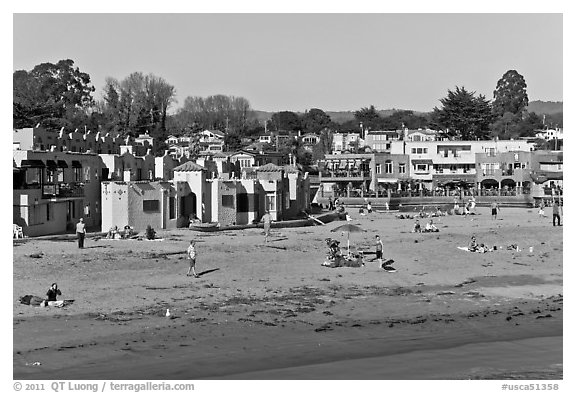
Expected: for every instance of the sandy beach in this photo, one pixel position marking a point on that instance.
(271, 311)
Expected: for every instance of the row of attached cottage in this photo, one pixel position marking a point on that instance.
(52, 190)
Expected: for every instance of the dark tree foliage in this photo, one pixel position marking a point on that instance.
(401, 119)
(369, 117)
(53, 95)
(315, 120)
(232, 141)
(510, 95)
(285, 120)
(463, 115)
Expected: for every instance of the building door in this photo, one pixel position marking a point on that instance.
(188, 206)
(70, 213)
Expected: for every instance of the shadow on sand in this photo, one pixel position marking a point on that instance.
(207, 271)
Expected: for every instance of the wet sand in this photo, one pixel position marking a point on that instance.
(273, 312)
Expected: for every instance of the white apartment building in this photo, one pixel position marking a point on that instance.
(439, 162)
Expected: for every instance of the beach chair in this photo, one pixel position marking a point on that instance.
(17, 231)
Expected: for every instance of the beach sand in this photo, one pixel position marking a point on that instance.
(271, 311)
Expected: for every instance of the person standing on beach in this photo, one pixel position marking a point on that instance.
(556, 213)
(541, 210)
(81, 232)
(379, 249)
(191, 254)
(266, 219)
(495, 208)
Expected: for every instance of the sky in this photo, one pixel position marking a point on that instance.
(295, 62)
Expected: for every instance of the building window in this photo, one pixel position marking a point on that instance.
(60, 174)
(490, 152)
(50, 175)
(87, 176)
(402, 168)
(378, 169)
(227, 200)
(151, 205)
(172, 208)
(419, 150)
(270, 202)
(421, 167)
(33, 175)
(87, 210)
(389, 167)
(78, 175)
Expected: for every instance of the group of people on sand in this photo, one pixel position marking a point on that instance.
(469, 207)
(473, 246)
(114, 233)
(429, 227)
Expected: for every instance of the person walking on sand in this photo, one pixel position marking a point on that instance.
(191, 254)
(495, 208)
(556, 213)
(266, 219)
(81, 232)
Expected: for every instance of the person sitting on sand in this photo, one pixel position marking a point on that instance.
(473, 246)
(112, 232)
(128, 231)
(417, 227)
(333, 248)
(436, 213)
(51, 300)
(430, 227)
(483, 248)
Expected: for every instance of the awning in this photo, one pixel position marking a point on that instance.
(32, 164)
(386, 180)
(76, 164)
(51, 164)
(422, 161)
(62, 164)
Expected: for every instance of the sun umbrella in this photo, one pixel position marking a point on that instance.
(348, 228)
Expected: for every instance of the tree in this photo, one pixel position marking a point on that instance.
(510, 95)
(368, 117)
(324, 145)
(53, 95)
(463, 115)
(137, 104)
(315, 120)
(219, 112)
(285, 120)
(232, 141)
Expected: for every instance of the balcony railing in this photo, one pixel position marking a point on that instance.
(347, 174)
(63, 190)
